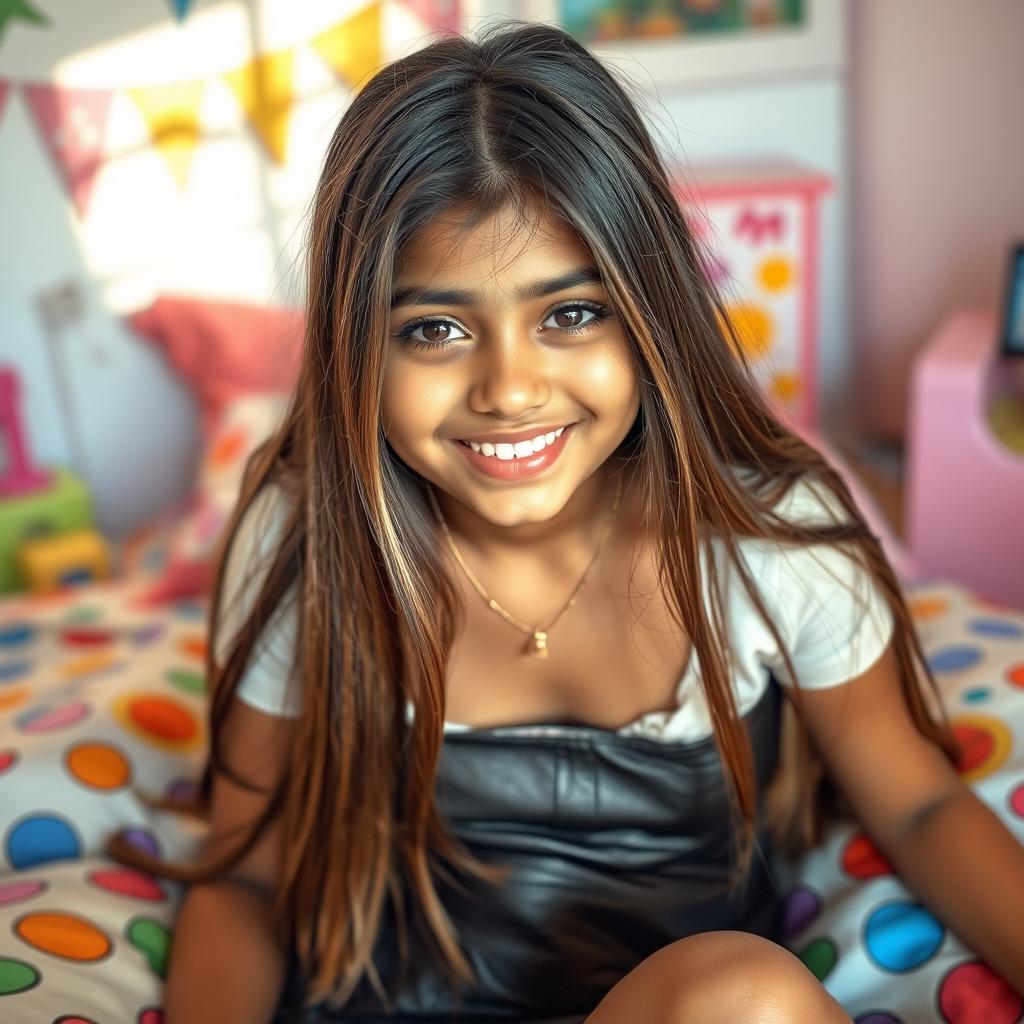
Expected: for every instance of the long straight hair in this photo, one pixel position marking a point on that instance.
(523, 118)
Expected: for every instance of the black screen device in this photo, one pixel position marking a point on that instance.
(1013, 304)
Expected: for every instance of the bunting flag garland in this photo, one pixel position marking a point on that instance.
(71, 124)
(171, 113)
(181, 8)
(263, 88)
(11, 10)
(352, 48)
(437, 14)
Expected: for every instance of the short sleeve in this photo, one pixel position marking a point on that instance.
(834, 617)
(266, 683)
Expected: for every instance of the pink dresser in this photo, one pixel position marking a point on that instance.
(965, 486)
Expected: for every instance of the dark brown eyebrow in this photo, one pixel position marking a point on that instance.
(415, 295)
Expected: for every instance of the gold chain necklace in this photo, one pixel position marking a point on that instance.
(538, 642)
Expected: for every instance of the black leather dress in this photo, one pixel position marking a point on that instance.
(619, 845)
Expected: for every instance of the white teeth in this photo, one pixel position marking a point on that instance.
(517, 451)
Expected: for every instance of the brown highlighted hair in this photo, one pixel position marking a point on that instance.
(523, 117)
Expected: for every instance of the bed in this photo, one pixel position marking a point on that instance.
(102, 692)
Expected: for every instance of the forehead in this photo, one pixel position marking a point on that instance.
(508, 243)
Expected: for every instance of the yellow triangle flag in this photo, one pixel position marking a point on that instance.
(264, 90)
(171, 113)
(352, 48)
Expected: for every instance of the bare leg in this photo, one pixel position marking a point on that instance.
(723, 977)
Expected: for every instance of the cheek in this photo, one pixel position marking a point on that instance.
(608, 383)
(416, 401)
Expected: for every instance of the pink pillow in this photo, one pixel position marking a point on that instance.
(224, 349)
(243, 425)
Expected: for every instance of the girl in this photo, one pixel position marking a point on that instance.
(536, 632)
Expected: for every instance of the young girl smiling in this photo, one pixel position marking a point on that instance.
(536, 633)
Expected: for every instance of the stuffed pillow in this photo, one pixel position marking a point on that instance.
(224, 349)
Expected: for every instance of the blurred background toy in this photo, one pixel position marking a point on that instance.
(38, 504)
(78, 556)
(17, 473)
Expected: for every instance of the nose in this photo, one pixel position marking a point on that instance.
(511, 376)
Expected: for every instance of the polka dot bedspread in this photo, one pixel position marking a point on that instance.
(98, 698)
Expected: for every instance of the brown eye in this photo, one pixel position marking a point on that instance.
(572, 316)
(436, 333)
(574, 319)
(437, 330)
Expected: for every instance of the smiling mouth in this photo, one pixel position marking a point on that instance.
(511, 466)
(550, 437)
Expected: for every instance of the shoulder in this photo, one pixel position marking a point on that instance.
(248, 557)
(251, 549)
(268, 682)
(804, 568)
(833, 614)
(810, 502)
(260, 526)
(806, 503)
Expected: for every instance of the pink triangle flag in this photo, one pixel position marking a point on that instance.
(437, 14)
(72, 123)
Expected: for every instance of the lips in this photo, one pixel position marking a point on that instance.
(517, 468)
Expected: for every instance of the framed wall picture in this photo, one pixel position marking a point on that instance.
(667, 43)
(758, 224)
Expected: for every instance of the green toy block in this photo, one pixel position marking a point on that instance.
(64, 505)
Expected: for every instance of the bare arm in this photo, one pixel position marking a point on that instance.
(227, 964)
(960, 839)
(947, 846)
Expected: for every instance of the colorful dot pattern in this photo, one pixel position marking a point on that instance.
(103, 698)
(98, 696)
(848, 917)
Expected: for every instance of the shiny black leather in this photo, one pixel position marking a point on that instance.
(620, 845)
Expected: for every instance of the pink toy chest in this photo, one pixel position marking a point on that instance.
(965, 518)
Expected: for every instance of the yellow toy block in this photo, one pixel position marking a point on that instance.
(58, 560)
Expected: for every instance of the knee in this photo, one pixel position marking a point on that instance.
(736, 977)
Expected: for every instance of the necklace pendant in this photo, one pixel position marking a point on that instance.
(539, 644)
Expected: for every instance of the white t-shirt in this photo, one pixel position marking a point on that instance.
(833, 618)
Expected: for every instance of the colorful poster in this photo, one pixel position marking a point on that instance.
(604, 20)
